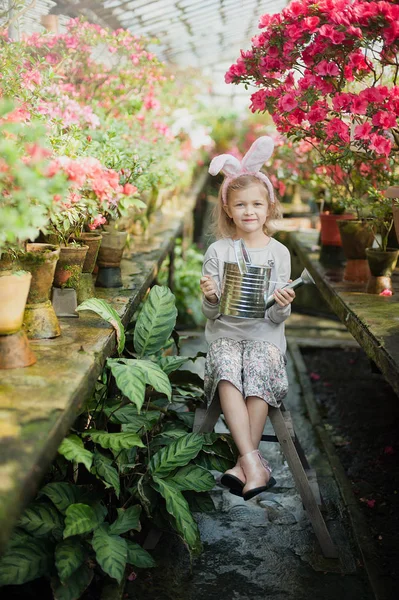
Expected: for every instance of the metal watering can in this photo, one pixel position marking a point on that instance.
(245, 287)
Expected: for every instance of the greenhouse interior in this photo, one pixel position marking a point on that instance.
(199, 299)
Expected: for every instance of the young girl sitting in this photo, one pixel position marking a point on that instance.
(245, 364)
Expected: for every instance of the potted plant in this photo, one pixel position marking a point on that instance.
(382, 260)
(327, 76)
(26, 201)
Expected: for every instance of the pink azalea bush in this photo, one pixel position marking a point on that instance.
(327, 72)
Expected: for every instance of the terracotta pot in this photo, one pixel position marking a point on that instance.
(381, 264)
(93, 241)
(40, 320)
(69, 266)
(329, 228)
(356, 236)
(111, 249)
(395, 212)
(14, 290)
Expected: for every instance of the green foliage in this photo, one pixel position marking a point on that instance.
(187, 273)
(107, 312)
(137, 462)
(155, 322)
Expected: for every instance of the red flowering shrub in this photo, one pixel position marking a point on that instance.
(327, 72)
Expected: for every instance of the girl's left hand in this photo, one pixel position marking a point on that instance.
(284, 296)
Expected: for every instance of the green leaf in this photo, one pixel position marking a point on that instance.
(129, 380)
(132, 421)
(82, 518)
(69, 555)
(177, 506)
(156, 321)
(73, 587)
(41, 519)
(169, 364)
(73, 449)
(102, 467)
(186, 417)
(64, 494)
(177, 454)
(213, 462)
(116, 441)
(127, 520)
(199, 502)
(194, 478)
(105, 310)
(154, 376)
(137, 556)
(25, 561)
(111, 552)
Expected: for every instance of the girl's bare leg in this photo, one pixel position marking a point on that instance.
(237, 418)
(257, 410)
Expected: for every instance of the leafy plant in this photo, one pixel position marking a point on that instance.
(130, 463)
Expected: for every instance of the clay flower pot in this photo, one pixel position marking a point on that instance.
(40, 321)
(329, 228)
(356, 236)
(69, 266)
(381, 263)
(14, 346)
(92, 239)
(109, 258)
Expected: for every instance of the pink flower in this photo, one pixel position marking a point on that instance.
(339, 128)
(362, 132)
(129, 189)
(359, 105)
(314, 376)
(327, 68)
(97, 222)
(258, 100)
(288, 102)
(380, 144)
(370, 503)
(386, 292)
(385, 119)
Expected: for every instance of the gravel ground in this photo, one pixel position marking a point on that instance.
(361, 413)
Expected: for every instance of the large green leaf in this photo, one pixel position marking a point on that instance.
(111, 552)
(132, 421)
(64, 494)
(102, 467)
(213, 462)
(105, 310)
(137, 556)
(130, 381)
(169, 364)
(177, 506)
(25, 561)
(82, 518)
(42, 518)
(199, 502)
(153, 374)
(73, 449)
(127, 520)
(156, 321)
(192, 477)
(73, 587)
(177, 454)
(116, 441)
(69, 555)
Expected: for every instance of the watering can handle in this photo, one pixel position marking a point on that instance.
(208, 260)
(304, 279)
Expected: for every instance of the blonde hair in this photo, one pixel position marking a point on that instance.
(224, 226)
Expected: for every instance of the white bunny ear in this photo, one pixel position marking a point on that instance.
(227, 163)
(260, 152)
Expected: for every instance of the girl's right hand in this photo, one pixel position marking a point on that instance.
(209, 288)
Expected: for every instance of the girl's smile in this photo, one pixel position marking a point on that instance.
(248, 208)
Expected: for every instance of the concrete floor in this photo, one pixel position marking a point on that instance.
(265, 548)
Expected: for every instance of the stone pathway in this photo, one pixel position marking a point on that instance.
(265, 548)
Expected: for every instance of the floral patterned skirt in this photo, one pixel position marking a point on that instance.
(255, 368)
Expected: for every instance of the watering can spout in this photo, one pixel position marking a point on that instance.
(304, 279)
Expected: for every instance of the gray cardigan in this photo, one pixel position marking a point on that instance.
(271, 327)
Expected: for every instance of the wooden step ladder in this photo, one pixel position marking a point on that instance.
(304, 477)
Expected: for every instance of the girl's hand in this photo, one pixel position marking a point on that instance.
(209, 288)
(284, 296)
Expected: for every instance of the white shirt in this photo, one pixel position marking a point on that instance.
(271, 327)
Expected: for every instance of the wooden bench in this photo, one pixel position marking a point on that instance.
(304, 476)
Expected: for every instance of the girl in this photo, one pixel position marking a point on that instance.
(245, 364)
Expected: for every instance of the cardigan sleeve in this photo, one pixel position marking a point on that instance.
(278, 314)
(211, 267)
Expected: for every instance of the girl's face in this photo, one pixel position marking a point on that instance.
(248, 208)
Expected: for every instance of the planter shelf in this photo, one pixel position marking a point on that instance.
(39, 403)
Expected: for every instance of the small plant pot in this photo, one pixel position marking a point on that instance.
(381, 263)
(329, 228)
(93, 241)
(356, 236)
(69, 266)
(109, 259)
(40, 320)
(15, 351)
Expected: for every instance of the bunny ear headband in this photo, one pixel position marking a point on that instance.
(260, 151)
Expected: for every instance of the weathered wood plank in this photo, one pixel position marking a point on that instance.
(372, 320)
(38, 404)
